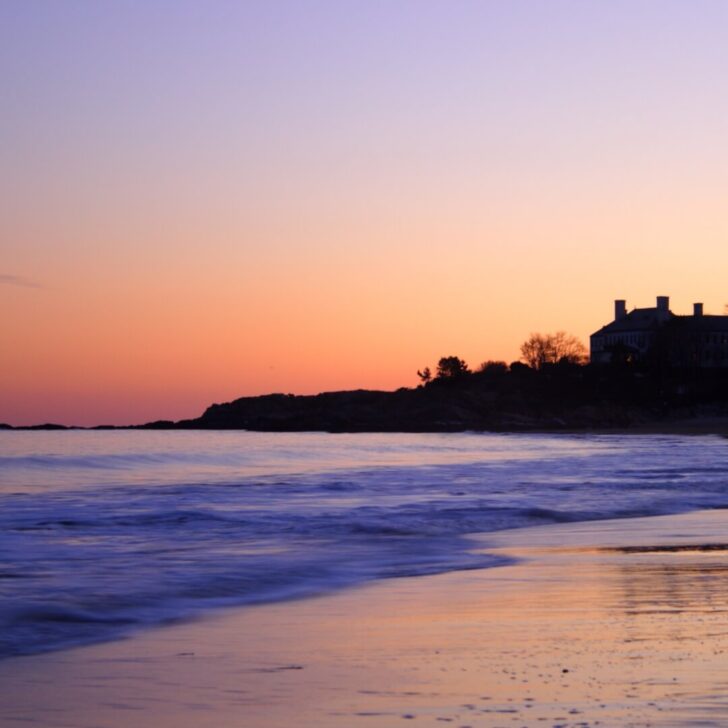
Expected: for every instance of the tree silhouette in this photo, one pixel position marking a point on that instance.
(540, 349)
(450, 367)
(493, 367)
(425, 375)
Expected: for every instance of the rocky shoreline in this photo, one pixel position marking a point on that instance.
(564, 399)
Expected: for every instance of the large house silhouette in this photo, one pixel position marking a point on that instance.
(660, 337)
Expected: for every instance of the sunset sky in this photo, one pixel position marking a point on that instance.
(205, 200)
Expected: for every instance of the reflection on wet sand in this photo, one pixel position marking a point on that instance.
(696, 586)
(583, 632)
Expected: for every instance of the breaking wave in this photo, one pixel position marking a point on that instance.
(104, 533)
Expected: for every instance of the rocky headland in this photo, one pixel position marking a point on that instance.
(558, 398)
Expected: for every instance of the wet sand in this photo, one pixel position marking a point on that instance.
(613, 623)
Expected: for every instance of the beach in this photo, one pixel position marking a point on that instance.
(612, 623)
(363, 364)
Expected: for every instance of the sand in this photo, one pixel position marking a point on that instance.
(614, 623)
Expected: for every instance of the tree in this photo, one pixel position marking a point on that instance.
(425, 375)
(450, 367)
(493, 367)
(540, 349)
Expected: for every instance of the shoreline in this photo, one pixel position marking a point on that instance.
(681, 426)
(617, 622)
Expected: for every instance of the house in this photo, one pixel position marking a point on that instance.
(658, 336)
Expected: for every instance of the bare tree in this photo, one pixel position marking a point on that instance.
(540, 349)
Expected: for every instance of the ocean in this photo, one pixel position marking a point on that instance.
(106, 532)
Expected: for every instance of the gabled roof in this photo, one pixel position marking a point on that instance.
(637, 320)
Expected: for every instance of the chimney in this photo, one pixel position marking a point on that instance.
(697, 309)
(620, 309)
(663, 303)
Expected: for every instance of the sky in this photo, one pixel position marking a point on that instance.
(201, 201)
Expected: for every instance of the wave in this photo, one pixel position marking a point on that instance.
(112, 461)
(80, 615)
(157, 540)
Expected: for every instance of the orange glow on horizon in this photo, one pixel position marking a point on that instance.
(242, 207)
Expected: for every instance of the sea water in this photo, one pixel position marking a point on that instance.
(104, 532)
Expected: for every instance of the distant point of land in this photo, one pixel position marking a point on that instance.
(650, 371)
(561, 397)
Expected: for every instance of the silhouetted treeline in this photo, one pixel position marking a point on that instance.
(493, 397)
(496, 397)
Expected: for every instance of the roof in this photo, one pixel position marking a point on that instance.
(638, 319)
(703, 323)
(651, 319)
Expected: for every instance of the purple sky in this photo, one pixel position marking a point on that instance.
(212, 199)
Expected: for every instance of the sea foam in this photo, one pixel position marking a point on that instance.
(102, 533)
